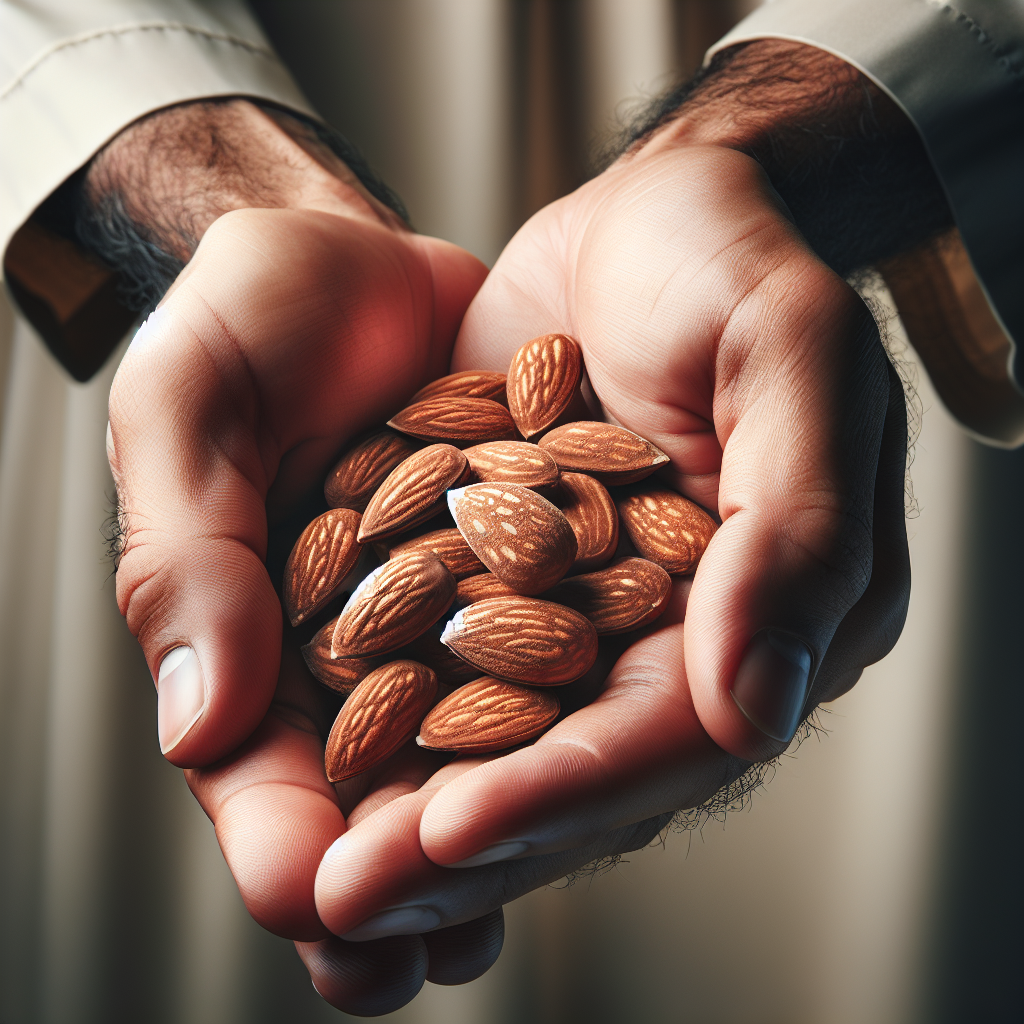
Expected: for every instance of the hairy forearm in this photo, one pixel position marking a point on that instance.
(146, 199)
(842, 155)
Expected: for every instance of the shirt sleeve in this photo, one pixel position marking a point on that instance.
(73, 73)
(957, 70)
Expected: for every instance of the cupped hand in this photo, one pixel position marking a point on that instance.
(710, 327)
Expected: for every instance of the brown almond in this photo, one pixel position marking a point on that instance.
(450, 546)
(460, 420)
(513, 462)
(466, 384)
(627, 595)
(449, 667)
(362, 469)
(588, 506)
(338, 674)
(393, 605)
(479, 588)
(520, 536)
(487, 715)
(322, 557)
(666, 528)
(523, 640)
(383, 713)
(413, 492)
(612, 454)
(543, 379)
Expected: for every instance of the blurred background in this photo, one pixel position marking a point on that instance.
(875, 879)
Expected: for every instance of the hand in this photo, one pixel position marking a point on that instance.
(290, 329)
(709, 326)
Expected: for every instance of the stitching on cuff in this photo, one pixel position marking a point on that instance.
(980, 36)
(120, 30)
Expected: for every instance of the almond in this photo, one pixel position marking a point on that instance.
(449, 667)
(467, 384)
(523, 640)
(612, 454)
(588, 506)
(450, 546)
(322, 557)
(487, 715)
(514, 462)
(462, 420)
(393, 605)
(479, 588)
(543, 379)
(520, 536)
(381, 715)
(627, 595)
(362, 469)
(666, 528)
(339, 674)
(413, 492)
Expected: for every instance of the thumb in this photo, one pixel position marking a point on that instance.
(794, 552)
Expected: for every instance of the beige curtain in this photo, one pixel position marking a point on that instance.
(115, 905)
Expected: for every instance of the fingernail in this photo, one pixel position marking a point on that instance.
(771, 685)
(499, 851)
(397, 921)
(181, 696)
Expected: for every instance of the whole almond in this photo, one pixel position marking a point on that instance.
(514, 462)
(413, 492)
(322, 557)
(362, 469)
(450, 546)
(520, 536)
(588, 506)
(523, 640)
(467, 384)
(479, 588)
(666, 528)
(461, 420)
(449, 667)
(543, 379)
(612, 454)
(393, 605)
(627, 595)
(339, 674)
(487, 715)
(381, 715)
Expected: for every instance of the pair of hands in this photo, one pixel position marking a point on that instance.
(709, 326)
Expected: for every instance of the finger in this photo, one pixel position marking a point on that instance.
(291, 331)
(366, 979)
(463, 952)
(274, 811)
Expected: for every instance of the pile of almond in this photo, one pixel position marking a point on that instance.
(486, 495)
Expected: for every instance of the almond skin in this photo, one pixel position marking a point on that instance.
(612, 454)
(523, 640)
(413, 492)
(479, 588)
(462, 421)
(543, 380)
(666, 528)
(363, 468)
(381, 715)
(338, 674)
(513, 462)
(520, 536)
(322, 557)
(588, 506)
(627, 595)
(466, 384)
(487, 715)
(450, 546)
(393, 605)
